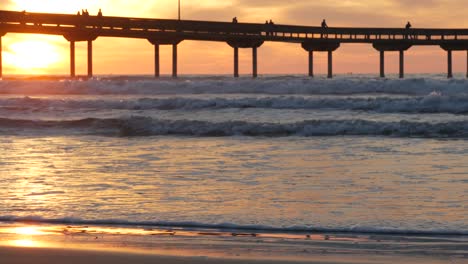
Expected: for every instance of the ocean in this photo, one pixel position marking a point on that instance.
(289, 154)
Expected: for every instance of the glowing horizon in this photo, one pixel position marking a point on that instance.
(132, 56)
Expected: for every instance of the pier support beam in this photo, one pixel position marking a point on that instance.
(311, 63)
(1, 51)
(330, 64)
(72, 59)
(163, 39)
(382, 64)
(402, 63)
(320, 46)
(461, 45)
(1, 59)
(90, 58)
(254, 62)
(81, 36)
(156, 60)
(174, 60)
(236, 62)
(449, 64)
(391, 45)
(253, 43)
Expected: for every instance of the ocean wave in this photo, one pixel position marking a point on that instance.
(423, 104)
(145, 126)
(231, 226)
(272, 85)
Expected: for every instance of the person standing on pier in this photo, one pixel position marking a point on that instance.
(324, 24)
(267, 28)
(407, 27)
(324, 27)
(99, 13)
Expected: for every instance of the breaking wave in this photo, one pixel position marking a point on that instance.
(145, 126)
(230, 226)
(420, 104)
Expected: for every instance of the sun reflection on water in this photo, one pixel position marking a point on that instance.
(24, 236)
(23, 243)
(28, 230)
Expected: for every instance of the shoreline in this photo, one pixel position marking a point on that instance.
(54, 243)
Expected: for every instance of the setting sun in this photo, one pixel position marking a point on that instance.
(32, 56)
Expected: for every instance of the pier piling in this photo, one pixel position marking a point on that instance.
(254, 62)
(90, 58)
(236, 62)
(1, 59)
(311, 63)
(72, 59)
(330, 64)
(402, 64)
(156, 61)
(449, 64)
(174, 60)
(382, 64)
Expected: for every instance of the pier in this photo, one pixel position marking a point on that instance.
(158, 32)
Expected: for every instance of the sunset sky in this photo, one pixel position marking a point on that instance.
(130, 56)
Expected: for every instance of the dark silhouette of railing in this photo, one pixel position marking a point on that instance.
(238, 35)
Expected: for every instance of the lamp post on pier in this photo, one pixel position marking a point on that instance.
(179, 9)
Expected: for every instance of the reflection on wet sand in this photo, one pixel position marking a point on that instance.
(178, 241)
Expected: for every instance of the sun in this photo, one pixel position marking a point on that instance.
(31, 56)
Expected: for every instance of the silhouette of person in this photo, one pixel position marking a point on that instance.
(324, 26)
(267, 28)
(78, 14)
(99, 13)
(234, 20)
(270, 27)
(408, 26)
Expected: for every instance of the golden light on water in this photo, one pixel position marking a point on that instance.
(23, 236)
(28, 230)
(23, 243)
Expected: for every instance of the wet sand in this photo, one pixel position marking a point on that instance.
(23, 255)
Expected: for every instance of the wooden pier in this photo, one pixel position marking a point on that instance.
(158, 32)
